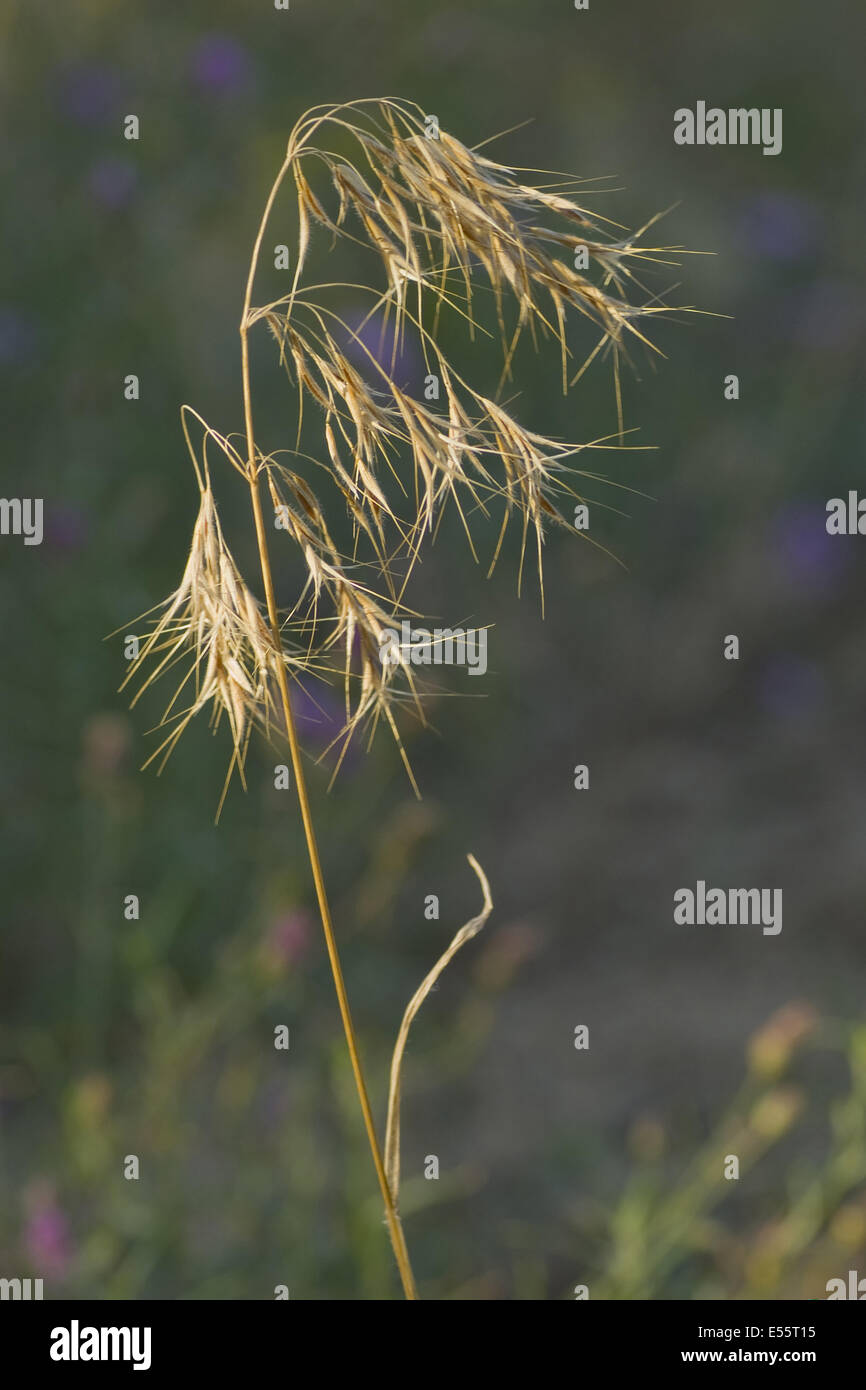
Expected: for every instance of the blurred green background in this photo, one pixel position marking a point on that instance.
(154, 1037)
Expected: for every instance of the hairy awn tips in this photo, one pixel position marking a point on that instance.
(439, 219)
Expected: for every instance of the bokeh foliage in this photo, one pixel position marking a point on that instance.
(154, 1037)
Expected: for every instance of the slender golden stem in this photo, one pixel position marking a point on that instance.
(395, 1228)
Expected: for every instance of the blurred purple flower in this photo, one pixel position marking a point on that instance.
(790, 688)
(17, 336)
(66, 528)
(88, 93)
(321, 716)
(809, 557)
(780, 226)
(112, 181)
(320, 713)
(220, 64)
(46, 1233)
(370, 340)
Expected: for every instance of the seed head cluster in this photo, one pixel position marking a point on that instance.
(443, 224)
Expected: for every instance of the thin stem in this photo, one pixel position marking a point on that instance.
(395, 1228)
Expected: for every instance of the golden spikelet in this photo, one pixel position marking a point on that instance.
(213, 628)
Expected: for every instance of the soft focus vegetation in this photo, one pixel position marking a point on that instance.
(154, 1037)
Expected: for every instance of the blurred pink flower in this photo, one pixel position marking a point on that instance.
(288, 938)
(46, 1233)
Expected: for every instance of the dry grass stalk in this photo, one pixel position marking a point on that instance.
(440, 219)
(466, 933)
